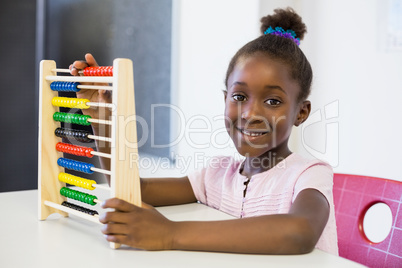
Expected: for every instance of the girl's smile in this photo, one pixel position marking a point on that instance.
(253, 132)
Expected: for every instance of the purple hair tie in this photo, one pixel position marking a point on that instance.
(279, 31)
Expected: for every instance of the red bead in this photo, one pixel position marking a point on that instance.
(88, 152)
(58, 146)
(98, 71)
(73, 149)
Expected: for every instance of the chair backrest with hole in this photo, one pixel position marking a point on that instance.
(354, 197)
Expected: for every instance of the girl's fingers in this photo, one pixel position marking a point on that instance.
(114, 217)
(119, 204)
(82, 64)
(120, 239)
(90, 60)
(115, 229)
(73, 70)
(77, 66)
(145, 205)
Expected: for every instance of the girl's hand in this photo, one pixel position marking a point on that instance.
(90, 94)
(142, 228)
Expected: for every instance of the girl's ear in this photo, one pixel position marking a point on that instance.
(304, 112)
(225, 93)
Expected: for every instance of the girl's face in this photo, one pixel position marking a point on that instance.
(261, 106)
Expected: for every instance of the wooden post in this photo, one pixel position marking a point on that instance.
(48, 170)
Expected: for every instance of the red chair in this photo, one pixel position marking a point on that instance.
(353, 195)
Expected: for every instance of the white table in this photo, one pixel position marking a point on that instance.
(73, 242)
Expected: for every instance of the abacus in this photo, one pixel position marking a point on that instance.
(124, 175)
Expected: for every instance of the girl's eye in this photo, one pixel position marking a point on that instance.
(238, 97)
(273, 102)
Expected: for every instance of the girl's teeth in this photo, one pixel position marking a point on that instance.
(252, 134)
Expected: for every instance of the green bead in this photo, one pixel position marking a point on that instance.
(82, 120)
(56, 116)
(86, 117)
(70, 118)
(79, 196)
(63, 191)
(92, 198)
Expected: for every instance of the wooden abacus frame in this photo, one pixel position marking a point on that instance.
(124, 178)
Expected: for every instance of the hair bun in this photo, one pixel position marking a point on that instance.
(288, 19)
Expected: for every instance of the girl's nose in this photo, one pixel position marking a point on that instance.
(251, 112)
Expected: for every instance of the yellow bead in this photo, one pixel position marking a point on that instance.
(70, 102)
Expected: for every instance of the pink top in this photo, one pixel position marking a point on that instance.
(220, 185)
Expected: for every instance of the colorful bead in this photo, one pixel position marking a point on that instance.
(74, 149)
(79, 196)
(79, 135)
(77, 181)
(75, 165)
(65, 86)
(70, 102)
(79, 208)
(78, 119)
(98, 71)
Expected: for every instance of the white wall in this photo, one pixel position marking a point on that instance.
(356, 90)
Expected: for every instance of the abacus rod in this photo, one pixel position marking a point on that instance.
(58, 70)
(99, 138)
(99, 121)
(100, 104)
(107, 172)
(101, 186)
(98, 201)
(73, 212)
(101, 154)
(95, 87)
(89, 79)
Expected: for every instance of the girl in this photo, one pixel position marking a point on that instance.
(283, 201)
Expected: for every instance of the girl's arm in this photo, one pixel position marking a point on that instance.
(294, 233)
(167, 191)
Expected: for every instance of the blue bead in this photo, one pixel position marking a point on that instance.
(65, 86)
(76, 84)
(89, 166)
(75, 165)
